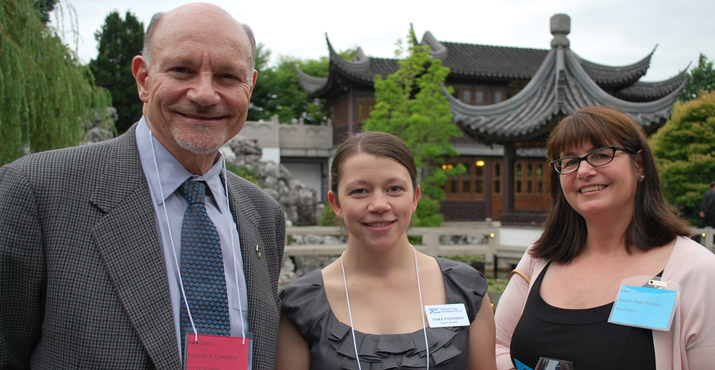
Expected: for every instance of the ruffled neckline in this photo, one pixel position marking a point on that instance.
(305, 304)
(381, 351)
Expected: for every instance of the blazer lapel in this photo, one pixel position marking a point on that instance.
(128, 241)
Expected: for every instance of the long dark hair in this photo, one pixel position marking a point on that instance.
(654, 222)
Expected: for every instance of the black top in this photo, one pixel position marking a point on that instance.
(584, 337)
(330, 341)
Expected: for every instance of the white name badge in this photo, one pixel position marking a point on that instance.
(645, 303)
(444, 315)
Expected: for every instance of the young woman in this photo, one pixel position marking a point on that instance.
(367, 309)
(609, 228)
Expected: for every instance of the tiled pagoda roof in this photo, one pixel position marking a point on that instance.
(559, 81)
(561, 85)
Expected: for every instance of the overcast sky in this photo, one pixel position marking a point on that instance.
(612, 32)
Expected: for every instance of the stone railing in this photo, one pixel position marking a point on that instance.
(477, 239)
(314, 140)
(305, 136)
(705, 236)
(314, 247)
(487, 239)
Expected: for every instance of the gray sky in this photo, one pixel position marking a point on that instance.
(612, 32)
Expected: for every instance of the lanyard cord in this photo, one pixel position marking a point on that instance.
(422, 313)
(350, 315)
(233, 249)
(171, 237)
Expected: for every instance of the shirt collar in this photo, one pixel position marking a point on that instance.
(171, 172)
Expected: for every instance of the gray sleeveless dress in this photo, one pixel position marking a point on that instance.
(330, 341)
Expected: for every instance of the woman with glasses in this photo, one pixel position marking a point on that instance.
(613, 282)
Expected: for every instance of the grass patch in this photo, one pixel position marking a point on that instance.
(497, 285)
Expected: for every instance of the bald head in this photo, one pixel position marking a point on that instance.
(196, 79)
(193, 15)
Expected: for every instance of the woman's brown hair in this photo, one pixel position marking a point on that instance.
(377, 143)
(653, 224)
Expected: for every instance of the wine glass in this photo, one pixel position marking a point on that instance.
(546, 363)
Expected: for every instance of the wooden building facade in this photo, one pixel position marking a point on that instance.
(506, 100)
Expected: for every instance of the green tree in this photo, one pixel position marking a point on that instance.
(684, 149)
(700, 79)
(46, 94)
(410, 104)
(277, 92)
(45, 7)
(119, 41)
(261, 94)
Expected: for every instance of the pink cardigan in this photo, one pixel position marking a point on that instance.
(690, 343)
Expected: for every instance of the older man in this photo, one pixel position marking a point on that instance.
(142, 251)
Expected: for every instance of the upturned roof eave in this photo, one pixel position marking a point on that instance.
(358, 70)
(525, 116)
(650, 90)
(558, 88)
(339, 67)
(614, 76)
(650, 115)
(314, 86)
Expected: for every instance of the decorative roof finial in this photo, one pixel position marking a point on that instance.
(560, 27)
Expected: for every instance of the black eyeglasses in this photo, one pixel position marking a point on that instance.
(596, 158)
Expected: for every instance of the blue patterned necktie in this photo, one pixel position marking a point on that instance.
(202, 267)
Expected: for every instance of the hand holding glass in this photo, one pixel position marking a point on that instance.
(545, 363)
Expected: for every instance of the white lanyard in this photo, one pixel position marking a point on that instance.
(350, 315)
(173, 247)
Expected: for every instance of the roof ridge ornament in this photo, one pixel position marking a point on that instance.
(560, 27)
(437, 49)
(359, 55)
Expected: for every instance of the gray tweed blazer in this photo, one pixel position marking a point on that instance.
(82, 278)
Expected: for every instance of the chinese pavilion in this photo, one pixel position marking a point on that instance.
(506, 100)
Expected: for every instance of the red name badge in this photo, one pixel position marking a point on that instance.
(217, 352)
